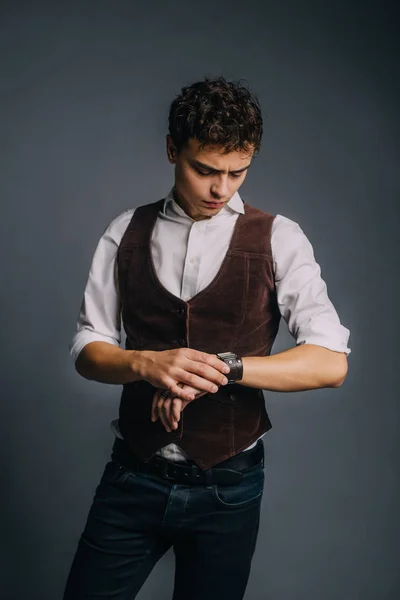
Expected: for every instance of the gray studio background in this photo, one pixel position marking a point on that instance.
(85, 92)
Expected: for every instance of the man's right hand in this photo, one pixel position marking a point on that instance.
(168, 368)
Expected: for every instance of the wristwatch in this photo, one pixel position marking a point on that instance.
(235, 363)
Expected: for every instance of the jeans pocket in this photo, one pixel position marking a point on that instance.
(247, 492)
(115, 473)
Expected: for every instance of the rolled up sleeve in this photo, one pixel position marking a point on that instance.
(99, 317)
(301, 292)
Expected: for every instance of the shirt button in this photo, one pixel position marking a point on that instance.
(193, 260)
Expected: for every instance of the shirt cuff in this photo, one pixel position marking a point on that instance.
(327, 335)
(85, 336)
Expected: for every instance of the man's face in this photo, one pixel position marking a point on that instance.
(206, 179)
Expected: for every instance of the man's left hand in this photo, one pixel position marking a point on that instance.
(169, 409)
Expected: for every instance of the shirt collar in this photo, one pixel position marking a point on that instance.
(235, 204)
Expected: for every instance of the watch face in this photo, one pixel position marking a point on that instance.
(226, 354)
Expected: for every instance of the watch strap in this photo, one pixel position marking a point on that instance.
(235, 364)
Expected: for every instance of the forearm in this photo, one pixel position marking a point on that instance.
(106, 363)
(304, 367)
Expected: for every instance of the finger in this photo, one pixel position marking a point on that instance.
(175, 388)
(153, 405)
(206, 372)
(161, 409)
(167, 412)
(172, 411)
(163, 413)
(209, 359)
(178, 405)
(196, 392)
(158, 406)
(200, 377)
(188, 388)
(154, 412)
(209, 372)
(176, 409)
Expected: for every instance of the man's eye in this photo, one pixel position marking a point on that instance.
(234, 175)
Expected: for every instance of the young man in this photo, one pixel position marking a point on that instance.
(200, 280)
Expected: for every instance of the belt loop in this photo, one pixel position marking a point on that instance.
(165, 473)
(195, 471)
(209, 479)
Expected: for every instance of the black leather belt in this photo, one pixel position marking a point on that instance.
(227, 472)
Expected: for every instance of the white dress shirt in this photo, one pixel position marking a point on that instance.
(187, 255)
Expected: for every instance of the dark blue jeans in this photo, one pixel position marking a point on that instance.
(135, 518)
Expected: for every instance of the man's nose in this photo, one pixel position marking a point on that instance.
(220, 188)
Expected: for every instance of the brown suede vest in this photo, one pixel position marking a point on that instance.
(236, 312)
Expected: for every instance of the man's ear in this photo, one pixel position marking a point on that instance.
(171, 150)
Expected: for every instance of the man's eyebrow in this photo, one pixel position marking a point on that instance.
(204, 166)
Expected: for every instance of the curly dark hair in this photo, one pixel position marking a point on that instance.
(218, 113)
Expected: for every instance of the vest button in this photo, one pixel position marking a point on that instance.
(182, 342)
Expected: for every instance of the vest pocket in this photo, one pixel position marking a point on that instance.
(242, 494)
